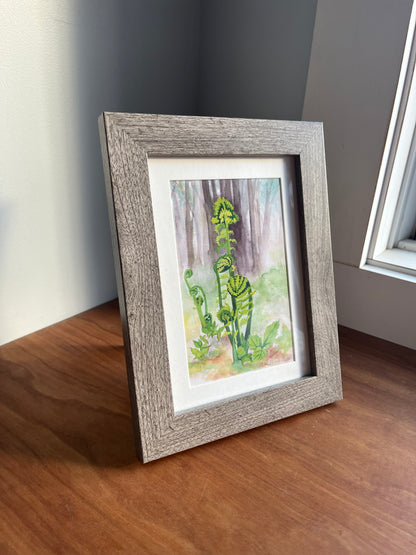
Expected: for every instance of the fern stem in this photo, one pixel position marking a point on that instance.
(248, 327)
(204, 297)
(218, 285)
(228, 238)
(237, 323)
(194, 297)
(232, 341)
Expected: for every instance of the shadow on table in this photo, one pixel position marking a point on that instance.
(78, 412)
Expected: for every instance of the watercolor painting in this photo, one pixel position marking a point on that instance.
(234, 284)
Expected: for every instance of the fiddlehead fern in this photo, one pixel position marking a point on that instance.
(225, 315)
(200, 299)
(237, 285)
(224, 216)
(223, 264)
(234, 317)
(223, 212)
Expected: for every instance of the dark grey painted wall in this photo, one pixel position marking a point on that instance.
(129, 56)
(254, 57)
(159, 55)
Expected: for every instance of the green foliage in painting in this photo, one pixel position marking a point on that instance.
(224, 216)
(224, 213)
(270, 335)
(261, 347)
(237, 285)
(273, 283)
(225, 315)
(235, 300)
(201, 348)
(284, 342)
(224, 263)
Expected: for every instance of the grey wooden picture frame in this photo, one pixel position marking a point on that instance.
(127, 141)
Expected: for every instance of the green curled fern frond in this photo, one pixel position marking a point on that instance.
(208, 318)
(224, 212)
(225, 315)
(224, 263)
(237, 285)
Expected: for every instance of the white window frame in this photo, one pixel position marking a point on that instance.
(387, 249)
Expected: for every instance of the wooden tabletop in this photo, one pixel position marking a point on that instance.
(339, 479)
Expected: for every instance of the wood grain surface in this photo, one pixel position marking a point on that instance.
(127, 141)
(338, 479)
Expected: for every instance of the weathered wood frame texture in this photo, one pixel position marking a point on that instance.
(127, 141)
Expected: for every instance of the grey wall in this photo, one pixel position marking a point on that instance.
(355, 63)
(158, 64)
(254, 57)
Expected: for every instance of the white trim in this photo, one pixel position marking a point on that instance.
(401, 262)
(403, 223)
(407, 245)
(388, 272)
(396, 153)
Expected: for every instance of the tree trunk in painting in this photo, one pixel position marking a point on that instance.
(222, 188)
(254, 224)
(245, 212)
(189, 226)
(229, 191)
(198, 227)
(266, 221)
(209, 203)
(180, 235)
(241, 230)
(207, 236)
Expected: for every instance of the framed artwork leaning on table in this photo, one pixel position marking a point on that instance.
(222, 247)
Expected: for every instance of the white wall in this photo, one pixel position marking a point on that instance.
(62, 63)
(354, 67)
